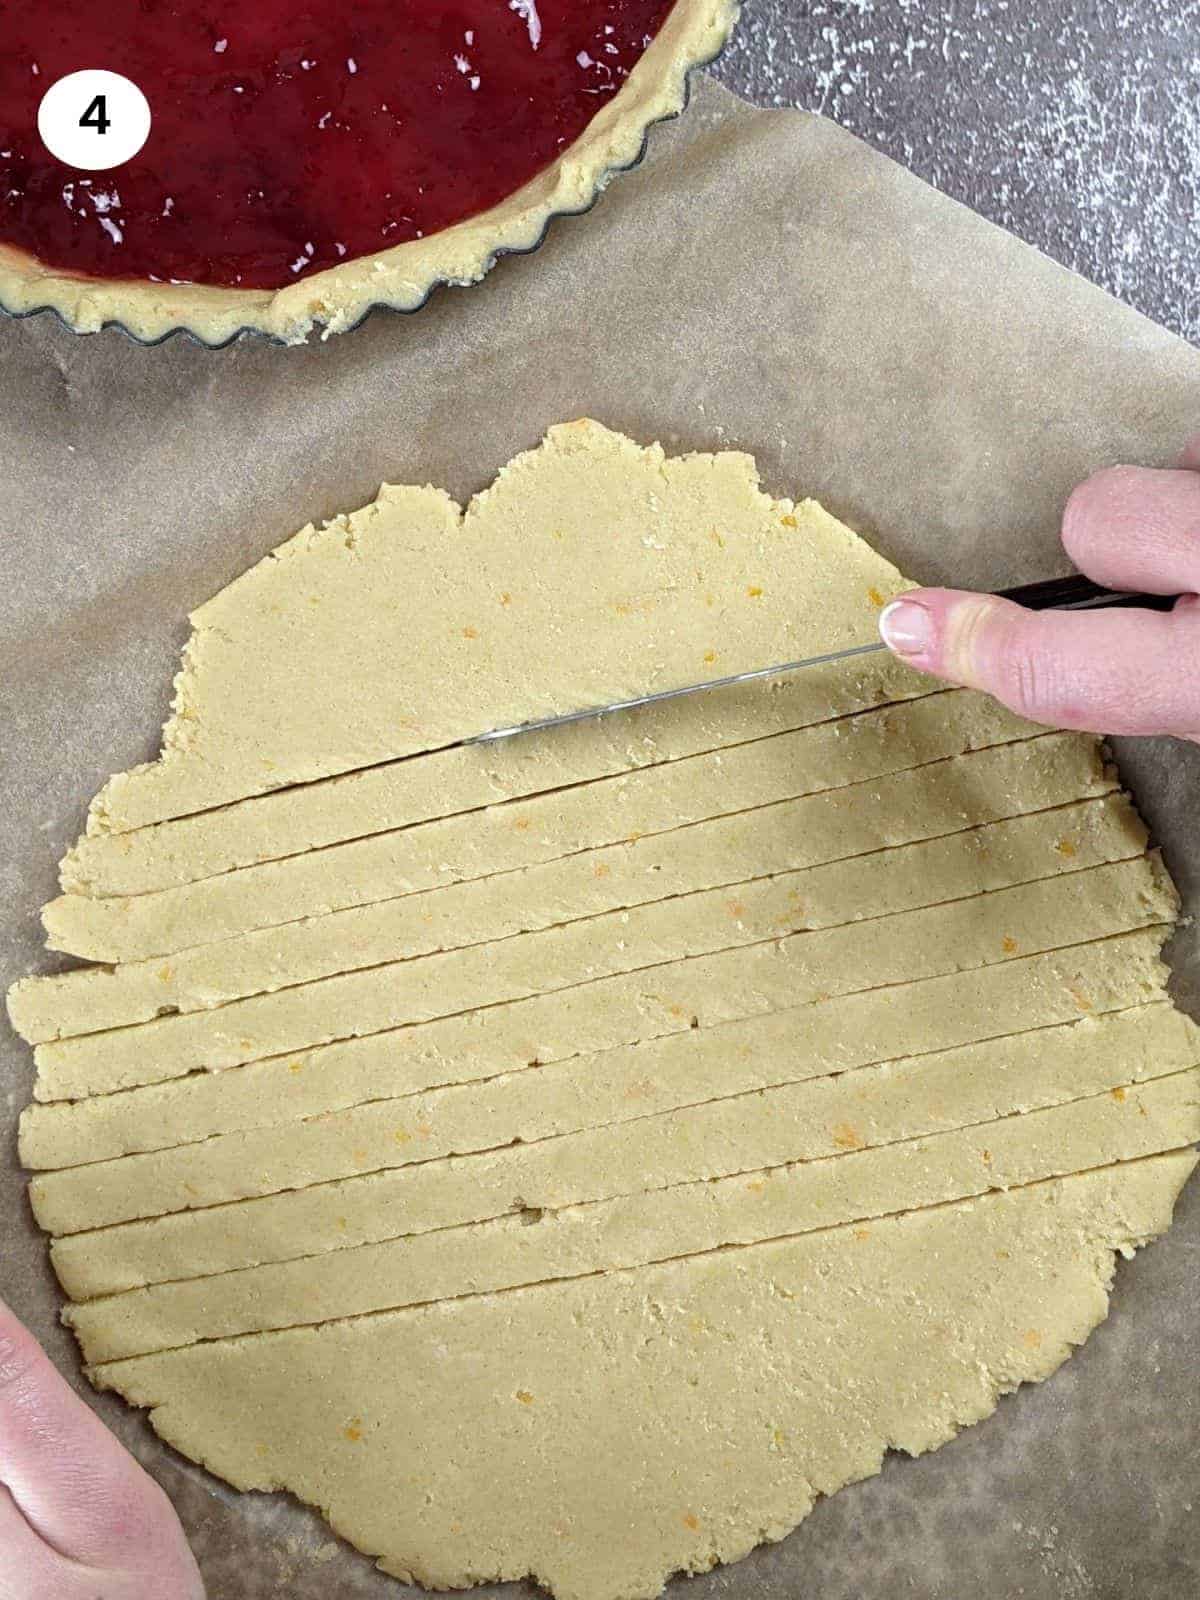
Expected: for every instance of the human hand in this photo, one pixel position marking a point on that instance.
(1131, 672)
(79, 1519)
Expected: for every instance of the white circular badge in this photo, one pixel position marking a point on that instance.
(94, 120)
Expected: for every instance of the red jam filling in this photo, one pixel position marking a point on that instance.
(289, 136)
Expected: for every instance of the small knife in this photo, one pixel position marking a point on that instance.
(1057, 594)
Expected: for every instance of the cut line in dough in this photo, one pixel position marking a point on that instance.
(849, 1032)
(855, 1030)
(537, 830)
(793, 849)
(725, 1140)
(403, 794)
(677, 955)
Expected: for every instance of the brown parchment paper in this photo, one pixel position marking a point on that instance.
(764, 282)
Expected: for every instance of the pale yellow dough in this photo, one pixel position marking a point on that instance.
(716, 788)
(572, 1157)
(602, 1433)
(403, 276)
(941, 808)
(632, 571)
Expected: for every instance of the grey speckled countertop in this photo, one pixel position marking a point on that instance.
(1074, 123)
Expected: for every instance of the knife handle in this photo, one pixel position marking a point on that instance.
(1081, 594)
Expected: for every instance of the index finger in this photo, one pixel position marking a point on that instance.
(1136, 528)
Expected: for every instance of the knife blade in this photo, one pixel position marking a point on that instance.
(1057, 594)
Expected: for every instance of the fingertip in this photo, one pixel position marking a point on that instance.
(1091, 509)
(940, 631)
(1136, 528)
(1076, 518)
(905, 625)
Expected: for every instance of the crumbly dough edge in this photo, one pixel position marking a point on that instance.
(403, 277)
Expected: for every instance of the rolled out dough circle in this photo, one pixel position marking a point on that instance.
(624, 1137)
